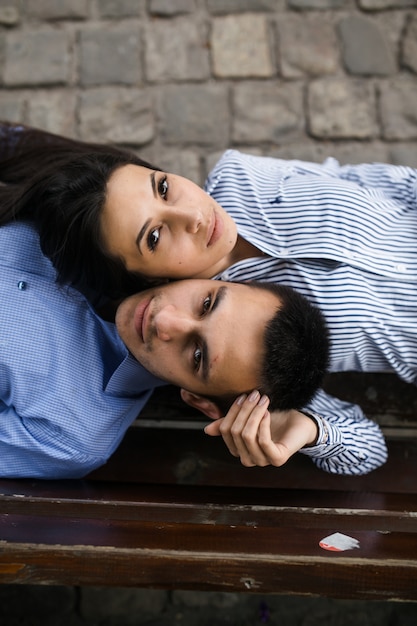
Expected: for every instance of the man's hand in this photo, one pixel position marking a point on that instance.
(262, 438)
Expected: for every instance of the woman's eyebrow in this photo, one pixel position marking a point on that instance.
(153, 184)
(142, 234)
(146, 224)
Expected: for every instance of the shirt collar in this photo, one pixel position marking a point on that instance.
(131, 378)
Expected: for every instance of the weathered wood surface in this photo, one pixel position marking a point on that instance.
(172, 509)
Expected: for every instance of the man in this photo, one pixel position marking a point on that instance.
(69, 387)
(207, 336)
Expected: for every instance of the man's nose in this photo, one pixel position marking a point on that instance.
(171, 323)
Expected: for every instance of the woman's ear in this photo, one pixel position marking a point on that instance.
(206, 406)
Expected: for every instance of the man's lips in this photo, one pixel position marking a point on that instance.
(140, 318)
(215, 229)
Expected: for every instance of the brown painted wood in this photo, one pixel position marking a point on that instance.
(242, 557)
(188, 504)
(172, 509)
(191, 457)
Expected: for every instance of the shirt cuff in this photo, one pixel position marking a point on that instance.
(329, 440)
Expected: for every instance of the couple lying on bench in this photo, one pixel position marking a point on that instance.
(91, 235)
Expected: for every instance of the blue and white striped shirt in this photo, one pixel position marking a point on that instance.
(345, 237)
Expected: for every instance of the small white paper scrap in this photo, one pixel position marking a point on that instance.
(338, 542)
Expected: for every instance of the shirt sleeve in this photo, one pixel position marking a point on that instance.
(32, 447)
(348, 442)
(395, 181)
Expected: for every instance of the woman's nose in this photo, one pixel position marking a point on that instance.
(190, 219)
(171, 323)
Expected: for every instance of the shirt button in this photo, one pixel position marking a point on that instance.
(401, 267)
(21, 285)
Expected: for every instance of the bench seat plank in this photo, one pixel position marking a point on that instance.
(238, 557)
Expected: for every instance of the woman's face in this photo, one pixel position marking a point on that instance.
(165, 226)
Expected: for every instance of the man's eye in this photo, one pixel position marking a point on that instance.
(153, 239)
(206, 304)
(197, 358)
(163, 187)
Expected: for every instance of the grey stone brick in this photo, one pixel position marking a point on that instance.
(377, 5)
(171, 7)
(176, 50)
(340, 108)
(195, 114)
(57, 9)
(36, 58)
(409, 51)
(398, 108)
(365, 49)
(12, 106)
(129, 604)
(360, 152)
(120, 115)
(404, 154)
(318, 4)
(344, 152)
(121, 8)
(267, 112)
(241, 47)
(53, 111)
(239, 6)
(307, 45)
(182, 162)
(9, 15)
(2, 54)
(110, 55)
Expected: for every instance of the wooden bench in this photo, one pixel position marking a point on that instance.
(173, 510)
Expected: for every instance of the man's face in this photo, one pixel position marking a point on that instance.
(203, 335)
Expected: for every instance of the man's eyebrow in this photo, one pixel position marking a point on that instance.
(220, 294)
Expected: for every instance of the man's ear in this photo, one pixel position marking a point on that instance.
(206, 406)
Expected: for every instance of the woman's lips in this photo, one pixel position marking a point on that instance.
(216, 229)
(141, 318)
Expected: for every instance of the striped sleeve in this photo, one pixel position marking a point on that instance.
(394, 181)
(348, 442)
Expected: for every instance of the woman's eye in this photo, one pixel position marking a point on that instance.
(163, 187)
(197, 358)
(153, 239)
(206, 304)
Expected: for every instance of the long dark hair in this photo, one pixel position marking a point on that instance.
(60, 185)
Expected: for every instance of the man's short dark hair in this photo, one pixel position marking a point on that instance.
(296, 350)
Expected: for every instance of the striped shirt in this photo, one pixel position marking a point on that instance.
(345, 237)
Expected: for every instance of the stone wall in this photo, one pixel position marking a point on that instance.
(181, 80)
